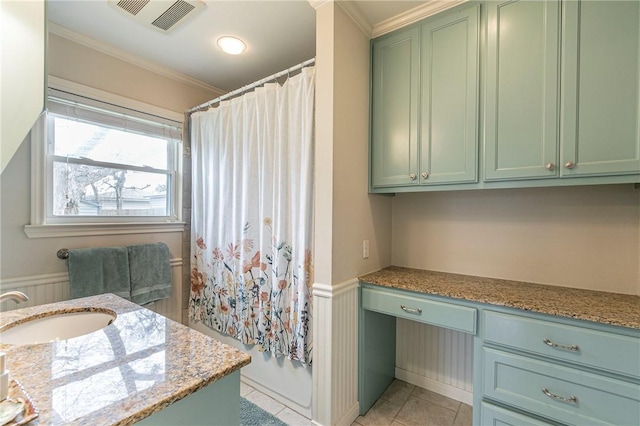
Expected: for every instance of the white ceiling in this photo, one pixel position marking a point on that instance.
(279, 34)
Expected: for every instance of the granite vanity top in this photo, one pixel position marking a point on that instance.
(120, 374)
(598, 306)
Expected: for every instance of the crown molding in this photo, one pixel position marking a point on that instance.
(316, 4)
(356, 16)
(413, 15)
(92, 43)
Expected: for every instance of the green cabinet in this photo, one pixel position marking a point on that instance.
(424, 103)
(449, 101)
(600, 96)
(529, 368)
(562, 99)
(394, 145)
(521, 101)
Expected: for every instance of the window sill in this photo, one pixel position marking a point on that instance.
(87, 229)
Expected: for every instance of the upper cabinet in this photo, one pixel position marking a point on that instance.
(534, 131)
(560, 105)
(521, 100)
(449, 101)
(600, 96)
(395, 82)
(424, 103)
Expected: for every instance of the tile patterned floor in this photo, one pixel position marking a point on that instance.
(401, 404)
(272, 406)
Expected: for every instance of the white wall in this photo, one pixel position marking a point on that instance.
(582, 237)
(22, 71)
(357, 215)
(345, 214)
(84, 65)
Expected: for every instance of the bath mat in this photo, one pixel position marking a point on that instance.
(252, 415)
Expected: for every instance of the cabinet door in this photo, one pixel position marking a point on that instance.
(449, 112)
(521, 111)
(394, 125)
(600, 88)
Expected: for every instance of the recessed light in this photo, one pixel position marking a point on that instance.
(232, 45)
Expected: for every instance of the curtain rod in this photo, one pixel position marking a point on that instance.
(252, 85)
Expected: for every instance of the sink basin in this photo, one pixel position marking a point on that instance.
(56, 326)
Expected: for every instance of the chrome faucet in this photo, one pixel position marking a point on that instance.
(16, 296)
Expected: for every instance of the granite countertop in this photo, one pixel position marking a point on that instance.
(598, 306)
(120, 374)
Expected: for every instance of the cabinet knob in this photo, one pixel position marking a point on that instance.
(412, 176)
(424, 175)
(569, 164)
(550, 166)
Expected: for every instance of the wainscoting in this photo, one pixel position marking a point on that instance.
(435, 358)
(335, 356)
(49, 288)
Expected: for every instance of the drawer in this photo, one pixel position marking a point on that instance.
(494, 415)
(420, 309)
(607, 351)
(588, 398)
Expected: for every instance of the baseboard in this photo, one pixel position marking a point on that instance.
(435, 386)
(306, 412)
(350, 416)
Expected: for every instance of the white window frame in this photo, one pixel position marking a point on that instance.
(44, 224)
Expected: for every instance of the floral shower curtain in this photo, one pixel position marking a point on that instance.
(251, 230)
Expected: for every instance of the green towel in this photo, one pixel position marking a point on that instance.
(99, 270)
(150, 272)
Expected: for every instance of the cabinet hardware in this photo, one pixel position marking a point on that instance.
(411, 310)
(569, 164)
(424, 175)
(572, 348)
(571, 399)
(412, 176)
(550, 166)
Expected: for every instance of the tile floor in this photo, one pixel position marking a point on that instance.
(272, 406)
(401, 404)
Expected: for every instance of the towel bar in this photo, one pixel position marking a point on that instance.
(63, 253)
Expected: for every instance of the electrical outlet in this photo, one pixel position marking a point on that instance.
(365, 249)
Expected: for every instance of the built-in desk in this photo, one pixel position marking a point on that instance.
(542, 354)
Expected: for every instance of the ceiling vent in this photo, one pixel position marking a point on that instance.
(161, 15)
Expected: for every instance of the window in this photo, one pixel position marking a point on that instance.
(102, 163)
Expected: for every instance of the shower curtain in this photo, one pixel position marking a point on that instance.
(251, 229)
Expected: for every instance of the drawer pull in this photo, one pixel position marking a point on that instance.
(571, 399)
(411, 310)
(572, 348)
